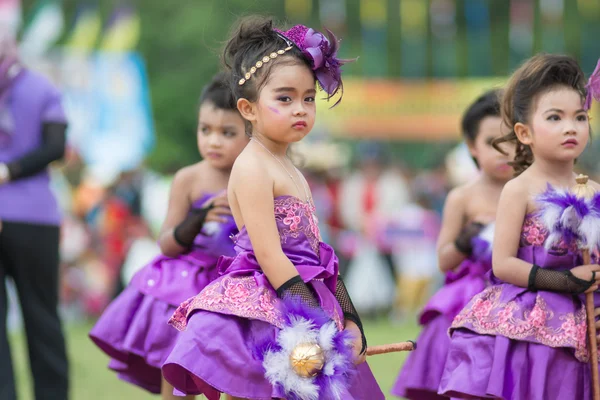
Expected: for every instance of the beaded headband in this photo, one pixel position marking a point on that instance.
(263, 61)
(319, 49)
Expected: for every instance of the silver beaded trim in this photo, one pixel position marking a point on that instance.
(262, 62)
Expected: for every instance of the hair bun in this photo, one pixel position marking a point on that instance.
(250, 33)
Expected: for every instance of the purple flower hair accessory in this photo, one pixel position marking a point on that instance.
(321, 50)
(593, 88)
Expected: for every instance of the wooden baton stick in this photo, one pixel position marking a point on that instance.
(391, 348)
(593, 343)
(582, 189)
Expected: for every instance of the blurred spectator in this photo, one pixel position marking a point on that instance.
(413, 231)
(371, 190)
(371, 193)
(32, 135)
(433, 186)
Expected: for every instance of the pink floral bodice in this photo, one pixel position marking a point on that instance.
(534, 233)
(297, 224)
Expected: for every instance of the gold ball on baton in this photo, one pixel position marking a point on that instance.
(582, 189)
(307, 359)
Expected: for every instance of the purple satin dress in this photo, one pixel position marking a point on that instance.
(512, 343)
(420, 376)
(134, 329)
(215, 351)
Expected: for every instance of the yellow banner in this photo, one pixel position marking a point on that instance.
(589, 9)
(411, 110)
(402, 110)
(373, 12)
(86, 31)
(413, 17)
(298, 9)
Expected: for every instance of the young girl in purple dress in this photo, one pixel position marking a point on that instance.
(524, 336)
(134, 329)
(464, 248)
(279, 250)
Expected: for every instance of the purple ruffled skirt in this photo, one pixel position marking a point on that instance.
(134, 329)
(421, 374)
(213, 356)
(496, 367)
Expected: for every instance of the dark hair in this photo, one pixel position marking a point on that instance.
(218, 92)
(253, 39)
(486, 105)
(538, 75)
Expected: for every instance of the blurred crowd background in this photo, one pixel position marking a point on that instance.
(380, 164)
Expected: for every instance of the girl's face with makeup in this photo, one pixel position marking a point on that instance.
(491, 162)
(286, 104)
(559, 127)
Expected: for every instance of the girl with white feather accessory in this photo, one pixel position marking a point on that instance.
(133, 330)
(231, 339)
(464, 248)
(524, 337)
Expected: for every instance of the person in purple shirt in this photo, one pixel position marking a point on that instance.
(32, 135)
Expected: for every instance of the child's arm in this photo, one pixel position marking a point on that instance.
(252, 187)
(180, 226)
(352, 320)
(253, 190)
(449, 257)
(512, 208)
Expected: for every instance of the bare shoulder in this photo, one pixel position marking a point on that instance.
(184, 183)
(185, 175)
(249, 167)
(471, 188)
(519, 194)
(459, 193)
(188, 176)
(517, 187)
(457, 196)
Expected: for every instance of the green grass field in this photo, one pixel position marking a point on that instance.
(91, 380)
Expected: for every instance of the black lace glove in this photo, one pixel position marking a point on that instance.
(350, 313)
(464, 239)
(557, 281)
(186, 231)
(296, 288)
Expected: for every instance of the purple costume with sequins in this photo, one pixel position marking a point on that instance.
(513, 343)
(134, 329)
(420, 376)
(215, 352)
